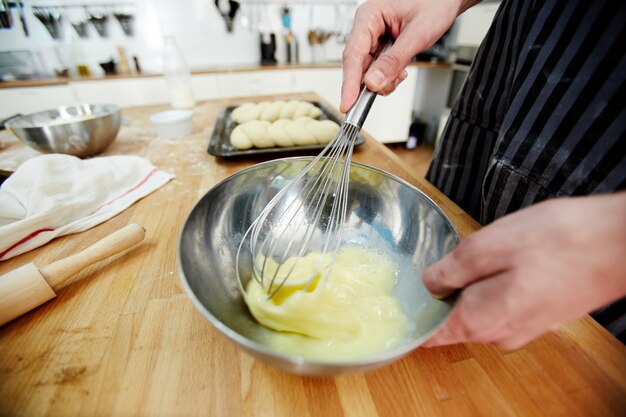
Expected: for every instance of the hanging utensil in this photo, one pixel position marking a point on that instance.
(100, 20)
(6, 20)
(20, 8)
(51, 18)
(81, 28)
(127, 22)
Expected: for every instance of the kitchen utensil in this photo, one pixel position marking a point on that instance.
(314, 201)
(109, 67)
(20, 7)
(27, 287)
(100, 21)
(124, 68)
(51, 19)
(81, 130)
(383, 210)
(6, 19)
(80, 26)
(127, 22)
(173, 124)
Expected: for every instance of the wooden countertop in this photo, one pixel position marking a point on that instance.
(125, 340)
(218, 70)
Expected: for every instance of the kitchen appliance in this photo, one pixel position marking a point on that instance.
(268, 48)
(28, 286)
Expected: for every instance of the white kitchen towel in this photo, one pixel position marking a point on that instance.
(55, 195)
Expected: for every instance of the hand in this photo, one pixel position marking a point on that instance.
(415, 25)
(530, 271)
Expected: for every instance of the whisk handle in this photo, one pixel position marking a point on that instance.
(357, 114)
(359, 110)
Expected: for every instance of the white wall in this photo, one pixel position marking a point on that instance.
(198, 27)
(472, 26)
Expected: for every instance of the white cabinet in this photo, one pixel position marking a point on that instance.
(389, 118)
(471, 27)
(205, 86)
(255, 83)
(123, 92)
(33, 99)
(324, 81)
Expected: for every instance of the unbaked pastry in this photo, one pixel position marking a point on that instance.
(283, 132)
(274, 110)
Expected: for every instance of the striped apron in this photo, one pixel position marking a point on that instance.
(542, 113)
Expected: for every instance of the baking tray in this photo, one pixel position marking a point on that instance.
(220, 145)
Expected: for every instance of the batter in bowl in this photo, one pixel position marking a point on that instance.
(349, 315)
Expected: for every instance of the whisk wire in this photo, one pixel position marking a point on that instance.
(288, 224)
(320, 186)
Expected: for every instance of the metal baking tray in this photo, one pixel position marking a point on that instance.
(220, 145)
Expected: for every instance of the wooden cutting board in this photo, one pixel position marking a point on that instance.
(124, 340)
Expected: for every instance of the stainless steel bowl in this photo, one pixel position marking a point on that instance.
(383, 209)
(82, 130)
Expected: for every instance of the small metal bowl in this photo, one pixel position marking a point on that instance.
(82, 130)
(382, 208)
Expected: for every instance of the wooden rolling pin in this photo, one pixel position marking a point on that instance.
(27, 287)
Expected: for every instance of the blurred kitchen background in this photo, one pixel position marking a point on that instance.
(61, 52)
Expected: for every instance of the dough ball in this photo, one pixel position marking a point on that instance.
(303, 108)
(271, 113)
(277, 132)
(289, 109)
(299, 134)
(239, 139)
(315, 112)
(243, 113)
(274, 110)
(256, 130)
(323, 130)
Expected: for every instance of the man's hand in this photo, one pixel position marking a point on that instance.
(530, 271)
(414, 24)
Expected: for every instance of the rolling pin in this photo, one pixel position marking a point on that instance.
(27, 287)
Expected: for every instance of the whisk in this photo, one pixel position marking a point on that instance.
(308, 214)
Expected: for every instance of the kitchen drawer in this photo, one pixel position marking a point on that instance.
(326, 82)
(123, 92)
(255, 83)
(390, 117)
(205, 87)
(33, 99)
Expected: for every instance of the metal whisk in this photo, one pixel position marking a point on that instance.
(308, 214)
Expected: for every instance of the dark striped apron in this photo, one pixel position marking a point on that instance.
(542, 113)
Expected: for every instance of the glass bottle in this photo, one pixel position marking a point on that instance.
(177, 76)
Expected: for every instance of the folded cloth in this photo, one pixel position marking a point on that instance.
(55, 195)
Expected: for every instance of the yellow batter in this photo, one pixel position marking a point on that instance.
(348, 316)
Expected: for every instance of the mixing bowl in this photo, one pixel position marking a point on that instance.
(81, 130)
(384, 212)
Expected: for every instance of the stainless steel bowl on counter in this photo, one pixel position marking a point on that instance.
(382, 208)
(81, 130)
